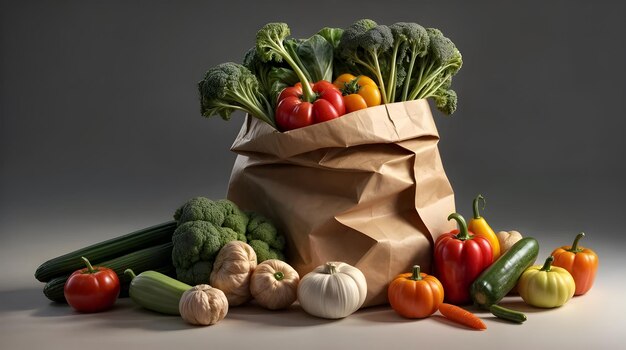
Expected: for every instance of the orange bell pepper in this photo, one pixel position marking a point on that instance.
(581, 262)
(358, 92)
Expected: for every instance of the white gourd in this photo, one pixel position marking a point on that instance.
(507, 239)
(232, 269)
(333, 290)
(274, 284)
(203, 305)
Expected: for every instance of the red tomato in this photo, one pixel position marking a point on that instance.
(92, 289)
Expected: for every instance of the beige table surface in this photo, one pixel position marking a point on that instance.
(30, 321)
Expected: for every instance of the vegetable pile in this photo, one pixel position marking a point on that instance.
(184, 248)
(286, 82)
(214, 256)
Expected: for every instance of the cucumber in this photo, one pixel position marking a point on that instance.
(501, 276)
(151, 258)
(156, 291)
(106, 250)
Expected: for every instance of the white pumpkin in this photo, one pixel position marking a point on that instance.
(274, 284)
(333, 290)
(507, 239)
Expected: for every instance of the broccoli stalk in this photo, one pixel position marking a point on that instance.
(363, 43)
(437, 67)
(270, 47)
(408, 39)
(230, 86)
(416, 40)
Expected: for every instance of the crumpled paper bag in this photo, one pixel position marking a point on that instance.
(368, 189)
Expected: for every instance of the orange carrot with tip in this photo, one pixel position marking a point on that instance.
(462, 316)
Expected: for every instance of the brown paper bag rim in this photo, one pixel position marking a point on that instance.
(389, 123)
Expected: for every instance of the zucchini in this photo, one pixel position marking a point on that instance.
(501, 276)
(151, 258)
(507, 314)
(106, 250)
(156, 291)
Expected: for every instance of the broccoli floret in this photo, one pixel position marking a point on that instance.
(222, 213)
(195, 245)
(364, 43)
(442, 61)
(230, 86)
(264, 251)
(261, 228)
(411, 40)
(205, 226)
(270, 46)
(446, 101)
(273, 76)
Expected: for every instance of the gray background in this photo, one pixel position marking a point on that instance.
(100, 131)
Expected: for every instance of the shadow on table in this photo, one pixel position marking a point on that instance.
(22, 299)
(294, 316)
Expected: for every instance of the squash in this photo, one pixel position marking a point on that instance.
(546, 286)
(507, 239)
(232, 269)
(274, 284)
(203, 305)
(333, 290)
(415, 294)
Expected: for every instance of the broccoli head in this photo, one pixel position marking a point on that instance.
(442, 61)
(205, 226)
(271, 46)
(261, 228)
(222, 213)
(195, 246)
(264, 251)
(363, 44)
(446, 100)
(230, 86)
(411, 41)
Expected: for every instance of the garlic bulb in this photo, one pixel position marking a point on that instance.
(203, 305)
(231, 271)
(333, 290)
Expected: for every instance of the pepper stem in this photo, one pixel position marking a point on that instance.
(90, 268)
(476, 201)
(351, 87)
(548, 264)
(279, 275)
(463, 232)
(130, 273)
(416, 273)
(330, 268)
(574, 248)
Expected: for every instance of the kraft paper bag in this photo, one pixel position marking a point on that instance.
(368, 189)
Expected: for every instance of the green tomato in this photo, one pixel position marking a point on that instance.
(546, 286)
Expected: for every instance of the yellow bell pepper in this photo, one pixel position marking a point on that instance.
(479, 226)
(548, 286)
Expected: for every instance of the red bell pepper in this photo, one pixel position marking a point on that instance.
(296, 110)
(459, 258)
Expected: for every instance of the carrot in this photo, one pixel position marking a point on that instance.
(462, 316)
